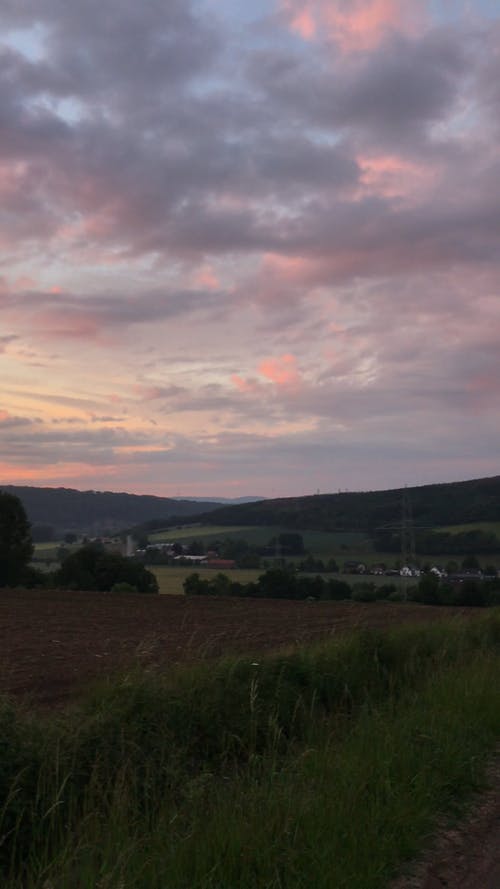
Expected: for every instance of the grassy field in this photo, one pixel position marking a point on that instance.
(327, 767)
(171, 579)
(47, 552)
(489, 527)
(324, 545)
(321, 543)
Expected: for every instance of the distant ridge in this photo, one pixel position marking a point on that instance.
(234, 501)
(94, 512)
(451, 503)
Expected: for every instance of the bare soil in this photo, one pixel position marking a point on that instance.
(53, 643)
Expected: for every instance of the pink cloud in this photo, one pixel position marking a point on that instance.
(148, 393)
(303, 22)
(353, 24)
(291, 268)
(24, 283)
(394, 176)
(205, 278)
(282, 370)
(61, 325)
(280, 279)
(18, 475)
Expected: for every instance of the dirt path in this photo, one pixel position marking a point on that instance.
(468, 855)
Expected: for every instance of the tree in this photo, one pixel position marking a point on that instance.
(337, 589)
(195, 586)
(428, 590)
(92, 568)
(277, 583)
(16, 545)
(471, 563)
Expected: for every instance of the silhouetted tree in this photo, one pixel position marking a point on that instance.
(16, 546)
(92, 568)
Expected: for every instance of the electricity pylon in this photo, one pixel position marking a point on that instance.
(408, 549)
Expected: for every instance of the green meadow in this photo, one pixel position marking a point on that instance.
(321, 543)
(488, 527)
(171, 578)
(341, 546)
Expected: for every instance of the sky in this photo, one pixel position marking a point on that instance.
(249, 249)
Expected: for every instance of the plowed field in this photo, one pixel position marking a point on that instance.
(53, 643)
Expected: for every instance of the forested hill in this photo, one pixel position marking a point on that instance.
(94, 512)
(442, 504)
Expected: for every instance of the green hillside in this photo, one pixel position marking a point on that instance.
(93, 512)
(455, 503)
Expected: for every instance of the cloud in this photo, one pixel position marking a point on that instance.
(354, 25)
(282, 371)
(68, 316)
(225, 240)
(7, 421)
(6, 340)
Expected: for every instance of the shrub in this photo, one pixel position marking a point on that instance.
(337, 589)
(92, 568)
(364, 592)
(385, 590)
(124, 587)
(427, 590)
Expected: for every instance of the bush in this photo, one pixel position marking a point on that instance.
(277, 583)
(194, 586)
(428, 592)
(395, 596)
(337, 590)
(470, 592)
(364, 592)
(386, 590)
(124, 587)
(92, 568)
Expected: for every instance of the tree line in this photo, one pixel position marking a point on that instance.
(437, 542)
(285, 583)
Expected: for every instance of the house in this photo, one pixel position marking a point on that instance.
(409, 571)
(378, 569)
(354, 567)
(437, 571)
(220, 564)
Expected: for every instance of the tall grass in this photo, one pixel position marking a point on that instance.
(325, 766)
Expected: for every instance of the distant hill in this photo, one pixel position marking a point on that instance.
(94, 512)
(453, 503)
(231, 500)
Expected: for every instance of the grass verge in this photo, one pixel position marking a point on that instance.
(324, 767)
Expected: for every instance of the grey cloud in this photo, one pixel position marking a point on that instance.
(404, 85)
(86, 315)
(92, 47)
(156, 187)
(393, 92)
(6, 340)
(9, 422)
(46, 445)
